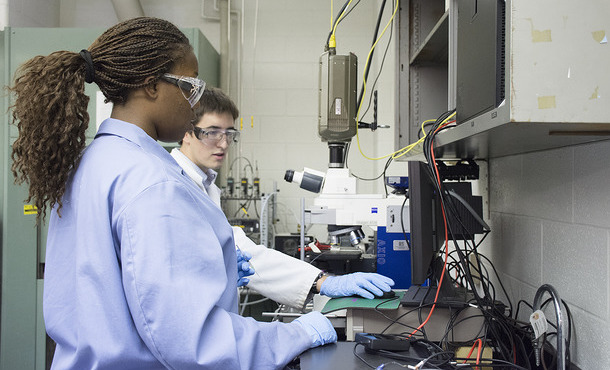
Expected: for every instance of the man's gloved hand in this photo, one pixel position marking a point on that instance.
(244, 268)
(364, 284)
(318, 327)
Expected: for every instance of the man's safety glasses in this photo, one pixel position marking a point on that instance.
(213, 136)
(192, 88)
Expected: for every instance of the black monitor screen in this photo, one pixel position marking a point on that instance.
(427, 230)
(428, 234)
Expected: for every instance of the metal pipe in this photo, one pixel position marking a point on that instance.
(560, 342)
(302, 243)
(127, 9)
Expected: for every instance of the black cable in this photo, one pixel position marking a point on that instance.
(337, 20)
(419, 314)
(346, 154)
(360, 357)
(434, 355)
(318, 256)
(470, 210)
(496, 320)
(569, 325)
(428, 361)
(397, 320)
(519, 304)
(349, 11)
(493, 362)
(500, 282)
(385, 168)
(372, 52)
(374, 84)
(471, 267)
(385, 53)
(244, 205)
(569, 339)
(451, 327)
(419, 132)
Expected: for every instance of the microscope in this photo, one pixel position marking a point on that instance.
(339, 205)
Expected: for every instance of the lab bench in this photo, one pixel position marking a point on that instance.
(335, 356)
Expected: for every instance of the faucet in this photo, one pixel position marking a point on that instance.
(560, 341)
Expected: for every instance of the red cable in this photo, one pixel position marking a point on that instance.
(470, 353)
(478, 342)
(479, 351)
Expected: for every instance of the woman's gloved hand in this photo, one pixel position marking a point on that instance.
(244, 268)
(318, 327)
(365, 284)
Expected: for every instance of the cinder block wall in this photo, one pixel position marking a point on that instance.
(550, 216)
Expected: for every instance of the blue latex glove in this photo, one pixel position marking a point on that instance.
(364, 284)
(244, 268)
(318, 327)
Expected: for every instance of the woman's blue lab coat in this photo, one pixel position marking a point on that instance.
(141, 269)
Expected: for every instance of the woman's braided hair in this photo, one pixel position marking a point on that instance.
(50, 108)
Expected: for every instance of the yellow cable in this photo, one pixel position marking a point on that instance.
(332, 43)
(364, 86)
(399, 153)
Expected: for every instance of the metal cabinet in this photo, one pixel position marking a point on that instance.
(552, 80)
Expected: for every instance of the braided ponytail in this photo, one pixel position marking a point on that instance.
(50, 108)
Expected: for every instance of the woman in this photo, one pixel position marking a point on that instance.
(135, 277)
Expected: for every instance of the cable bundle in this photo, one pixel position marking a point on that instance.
(509, 338)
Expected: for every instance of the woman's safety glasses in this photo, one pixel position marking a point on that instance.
(213, 136)
(192, 88)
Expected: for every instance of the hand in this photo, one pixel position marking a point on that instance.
(318, 327)
(364, 284)
(244, 268)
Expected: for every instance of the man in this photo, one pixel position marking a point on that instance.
(280, 277)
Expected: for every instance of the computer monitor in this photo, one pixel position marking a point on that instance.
(427, 230)
(426, 227)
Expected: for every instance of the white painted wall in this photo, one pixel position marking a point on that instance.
(32, 13)
(99, 13)
(3, 14)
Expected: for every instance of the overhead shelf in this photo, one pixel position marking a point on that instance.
(434, 49)
(553, 96)
(474, 140)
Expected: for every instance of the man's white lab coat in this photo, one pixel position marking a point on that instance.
(280, 277)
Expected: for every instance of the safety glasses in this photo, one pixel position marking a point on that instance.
(192, 88)
(213, 136)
